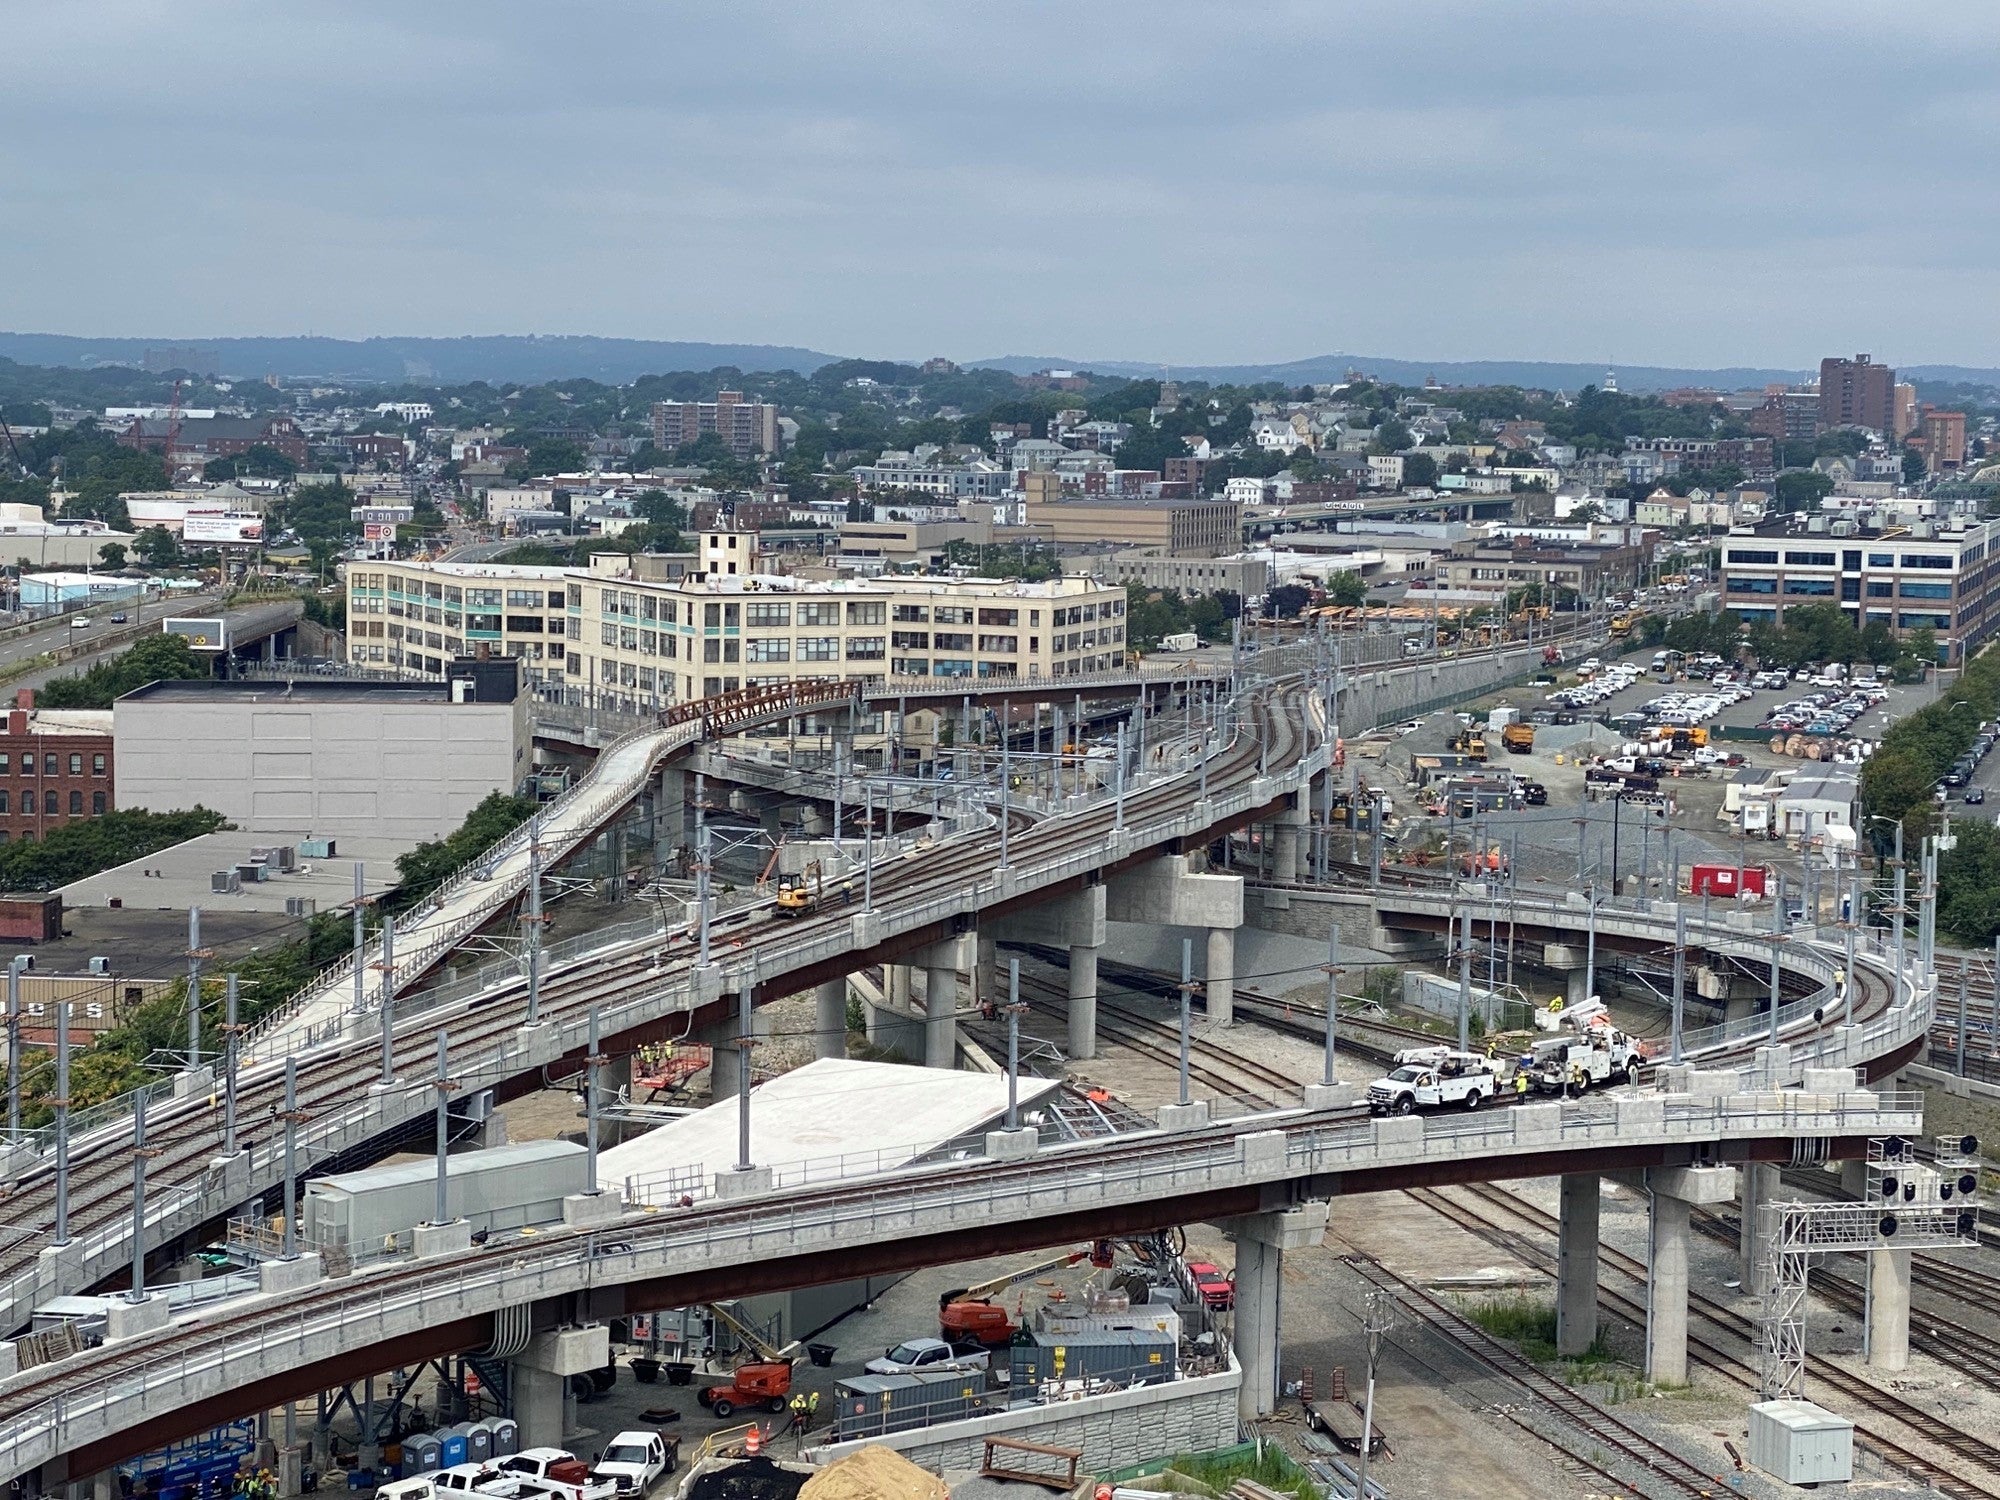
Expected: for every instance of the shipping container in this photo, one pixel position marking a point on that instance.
(501, 1188)
(871, 1405)
(1135, 1358)
(1721, 880)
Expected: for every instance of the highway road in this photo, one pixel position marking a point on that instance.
(57, 632)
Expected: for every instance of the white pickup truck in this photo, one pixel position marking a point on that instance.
(1462, 1078)
(635, 1461)
(464, 1481)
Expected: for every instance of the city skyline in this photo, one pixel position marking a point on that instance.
(1551, 183)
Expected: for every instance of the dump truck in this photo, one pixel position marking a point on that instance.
(1518, 739)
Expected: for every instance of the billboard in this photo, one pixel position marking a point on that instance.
(211, 526)
(210, 634)
(378, 531)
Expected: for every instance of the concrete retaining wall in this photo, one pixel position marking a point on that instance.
(1116, 1430)
(1410, 692)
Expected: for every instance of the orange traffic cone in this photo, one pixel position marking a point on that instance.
(753, 1441)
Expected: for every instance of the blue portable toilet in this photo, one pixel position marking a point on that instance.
(452, 1441)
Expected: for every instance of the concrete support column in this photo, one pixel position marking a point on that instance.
(940, 1017)
(988, 988)
(1760, 1179)
(830, 1019)
(1219, 979)
(1576, 1263)
(1672, 1192)
(1261, 1243)
(896, 981)
(538, 1404)
(1284, 849)
(1082, 1003)
(1259, 1269)
(1889, 1310)
(670, 819)
(1666, 1291)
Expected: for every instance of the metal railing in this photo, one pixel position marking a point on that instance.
(370, 1310)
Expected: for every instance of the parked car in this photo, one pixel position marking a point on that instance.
(1974, 795)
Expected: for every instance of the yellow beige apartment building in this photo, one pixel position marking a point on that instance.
(631, 631)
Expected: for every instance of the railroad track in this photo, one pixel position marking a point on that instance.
(1665, 1470)
(1874, 1406)
(1208, 1061)
(189, 1131)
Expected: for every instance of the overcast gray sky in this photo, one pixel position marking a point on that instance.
(1756, 181)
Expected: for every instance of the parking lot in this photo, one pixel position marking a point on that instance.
(1747, 714)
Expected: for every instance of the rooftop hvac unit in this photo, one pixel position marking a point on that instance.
(224, 883)
(300, 906)
(315, 848)
(1816, 523)
(100, 965)
(282, 857)
(1844, 528)
(256, 870)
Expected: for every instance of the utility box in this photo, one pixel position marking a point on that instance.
(225, 883)
(316, 848)
(31, 918)
(1800, 1443)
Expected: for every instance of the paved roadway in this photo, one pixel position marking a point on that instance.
(243, 619)
(56, 631)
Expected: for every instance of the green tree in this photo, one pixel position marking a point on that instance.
(657, 507)
(430, 864)
(1801, 489)
(156, 658)
(1420, 470)
(1878, 644)
(1347, 588)
(1286, 601)
(112, 555)
(78, 850)
(158, 547)
(555, 456)
(1923, 646)
(1392, 436)
(320, 514)
(1914, 467)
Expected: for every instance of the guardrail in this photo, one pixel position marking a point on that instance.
(288, 1332)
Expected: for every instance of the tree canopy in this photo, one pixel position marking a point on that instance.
(156, 658)
(90, 846)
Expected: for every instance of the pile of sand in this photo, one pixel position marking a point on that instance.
(874, 1473)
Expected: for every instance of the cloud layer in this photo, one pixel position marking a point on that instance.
(1675, 183)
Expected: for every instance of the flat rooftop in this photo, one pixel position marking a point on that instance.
(843, 1116)
(305, 690)
(184, 871)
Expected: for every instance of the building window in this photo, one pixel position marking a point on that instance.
(49, 804)
(866, 648)
(1815, 588)
(953, 640)
(76, 804)
(909, 666)
(1810, 559)
(769, 614)
(1907, 621)
(769, 650)
(49, 764)
(3, 800)
(1926, 560)
(76, 761)
(819, 648)
(1881, 589)
(819, 612)
(1881, 559)
(1926, 590)
(1738, 558)
(860, 613)
(1001, 643)
(96, 804)
(910, 640)
(913, 614)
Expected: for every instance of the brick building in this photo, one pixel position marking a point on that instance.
(55, 768)
(746, 426)
(1857, 392)
(217, 437)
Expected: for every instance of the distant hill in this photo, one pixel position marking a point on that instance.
(503, 358)
(1331, 368)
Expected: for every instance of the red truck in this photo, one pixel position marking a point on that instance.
(1722, 880)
